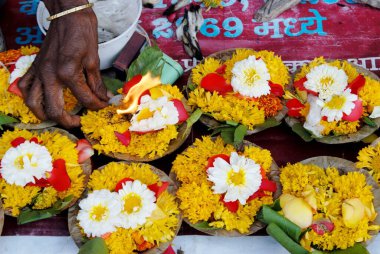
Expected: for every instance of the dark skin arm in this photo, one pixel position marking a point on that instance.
(68, 58)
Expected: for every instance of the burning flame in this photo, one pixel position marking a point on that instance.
(131, 100)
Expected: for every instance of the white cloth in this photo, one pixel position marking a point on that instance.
(189, 244)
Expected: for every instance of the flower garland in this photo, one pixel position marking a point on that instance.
(146, 134)
(211, 173)
(11, 101)
(333, 98)
(38, 170)
(336, 211)
(247, 88)
(142, 214)
(369, 159)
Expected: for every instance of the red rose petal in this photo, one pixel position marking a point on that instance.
(169, 250)
(257, 194)
(124, 138)
(59, 178)
(322, 226)
(356, 113)
(39, 183)
(119, 185)
(276, 89)
(294, 107)
(221, 70)
(299, 84)
(13, 88)
(214, 157)
(133, 81)
(356, 84)
(85, 150)
(158, 190)
(231, 206)
(34, 140)
(18, 141)
(214, 82)
(268, 185)
(183, 115)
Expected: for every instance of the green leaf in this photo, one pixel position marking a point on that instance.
(29, 215)
(270, 122)
(369, 122)
(268, 216)
(239, 134)
(4, 119)
(228, 135)
(94, 246)
(356, 249)
(276, 205)
(232, 123)
(148, 60)
(112, 84)
(193, 119)
(203, 225)
(191, 86)
(302, 132)
(277, 233)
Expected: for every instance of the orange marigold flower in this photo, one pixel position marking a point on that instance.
(271, 104)
(9, 56)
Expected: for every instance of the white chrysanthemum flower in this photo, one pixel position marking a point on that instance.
(25, 163)
(314, 117)
(139, 204)
(326, 80)
(154, 115)
(21, 67)
(334, 108)
(251, 77)
(238, 179)
(99, 213)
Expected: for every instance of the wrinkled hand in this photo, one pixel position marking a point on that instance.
(68, 58)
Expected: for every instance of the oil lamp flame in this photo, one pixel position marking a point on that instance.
(131, 100)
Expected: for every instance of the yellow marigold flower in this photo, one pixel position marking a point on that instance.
(340, 127)
(121, 242)
(158, 230)
(101, 126)
(197, 201)
(16, 197)
(112, 173)
(212, 3)
(14, 105)
(369, 158)
(331, 189)
(369, 94)
(60, 147)
(190, 166)
(46, 199)
(210, 65)
(227, 108)
(341, 237)
(260, 156)
(278, 71)
(29, 50)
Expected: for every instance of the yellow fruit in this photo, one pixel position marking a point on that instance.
(285, 198)
(353, 212)
(310, 197)
(299, 212)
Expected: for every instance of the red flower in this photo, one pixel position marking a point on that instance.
(214, 82)
(356, 84)
(124, 138)
(59, 178)
(276, 89)
(294, 107)
(119, 185)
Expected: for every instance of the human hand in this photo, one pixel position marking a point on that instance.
(68, 58)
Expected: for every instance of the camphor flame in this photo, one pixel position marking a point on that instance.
(131, 100)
